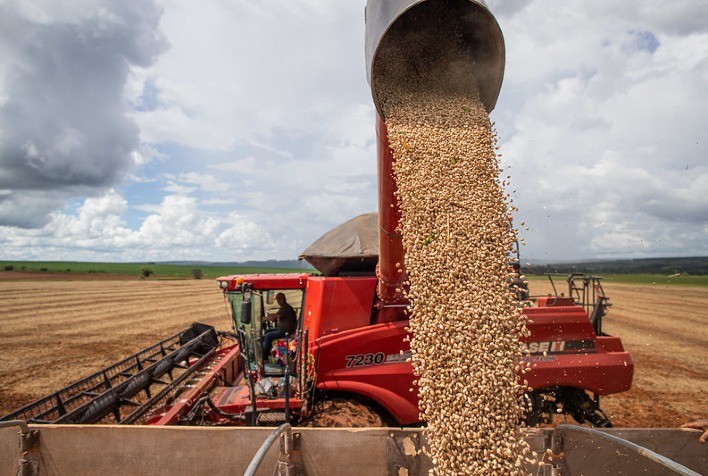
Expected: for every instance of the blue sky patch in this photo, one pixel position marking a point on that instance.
(644, 40)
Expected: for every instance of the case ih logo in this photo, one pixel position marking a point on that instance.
(559, 347)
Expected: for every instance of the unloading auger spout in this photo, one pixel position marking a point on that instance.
(400, 35)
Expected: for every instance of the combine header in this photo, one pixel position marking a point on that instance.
(125, 392)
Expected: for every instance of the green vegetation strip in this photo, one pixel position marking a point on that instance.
(658, 279)
(188, 271)
(649, 279)
(137, 269)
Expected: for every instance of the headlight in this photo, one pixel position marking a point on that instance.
(223, 284)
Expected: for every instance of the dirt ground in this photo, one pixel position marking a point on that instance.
(665, 330)
(55, 332)
(50, 276)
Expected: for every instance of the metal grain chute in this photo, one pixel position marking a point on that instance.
(403, 38)
(403, 34)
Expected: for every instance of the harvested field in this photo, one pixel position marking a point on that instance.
(665, 330)
(55, 332)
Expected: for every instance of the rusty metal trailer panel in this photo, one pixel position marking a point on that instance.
(147, 450)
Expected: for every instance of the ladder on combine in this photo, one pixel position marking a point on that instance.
(124, 392)
(586, 291)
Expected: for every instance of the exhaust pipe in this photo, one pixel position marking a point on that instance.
(401, 35)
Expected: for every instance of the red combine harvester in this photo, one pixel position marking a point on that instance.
(349, 351)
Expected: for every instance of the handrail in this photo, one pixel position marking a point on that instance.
(28, 439)
(23, 426)
(263, 450)
(287, 378)
(640, 450)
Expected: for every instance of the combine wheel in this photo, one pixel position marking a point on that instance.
(343, 413)
(539, 409)
(544, 404)
(585, 410)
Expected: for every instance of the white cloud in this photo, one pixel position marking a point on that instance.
(96, 224)
(147, 153)
(176, 228)
(249, 69)
(205, 182)
(247, 165)
(177, 221)
(178, 189)
(242, 235)
(64, 132)
(601, 117)
(254, 132)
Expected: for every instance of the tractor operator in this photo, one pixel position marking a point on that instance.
(287, 324)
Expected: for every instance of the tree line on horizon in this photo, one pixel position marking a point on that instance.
(668, 266)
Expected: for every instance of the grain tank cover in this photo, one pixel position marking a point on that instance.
(402, 34)
(352, 247)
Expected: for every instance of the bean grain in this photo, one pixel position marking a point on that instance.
(457, 235)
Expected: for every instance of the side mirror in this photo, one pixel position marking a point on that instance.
(246, 312)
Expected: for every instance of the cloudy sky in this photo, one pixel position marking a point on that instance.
(232, 130)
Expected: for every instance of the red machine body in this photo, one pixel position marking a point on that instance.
(353, 355)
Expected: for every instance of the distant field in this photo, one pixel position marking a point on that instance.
(683, 280)
(135, 269)
(651, 279)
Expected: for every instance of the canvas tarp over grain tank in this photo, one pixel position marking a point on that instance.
(352, 247)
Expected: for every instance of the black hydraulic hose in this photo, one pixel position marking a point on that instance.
(227, 334)
(218, 411)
